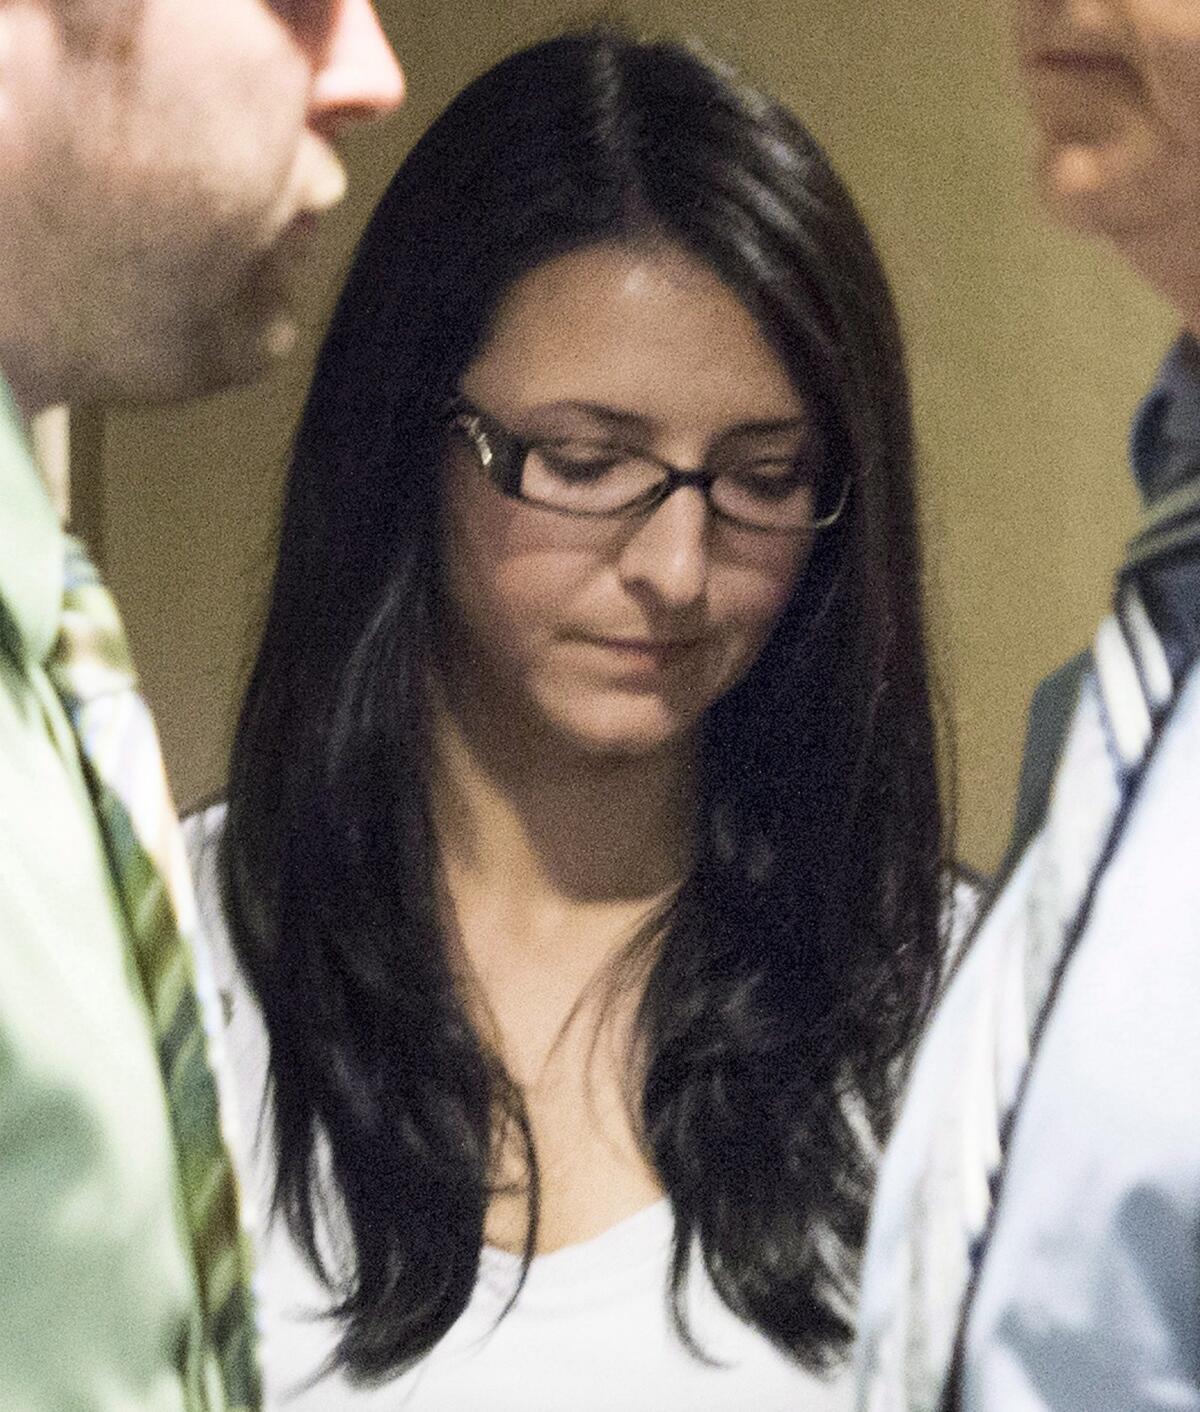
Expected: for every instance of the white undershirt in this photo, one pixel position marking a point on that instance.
(589, 1332)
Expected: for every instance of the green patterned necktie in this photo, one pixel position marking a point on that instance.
(93, 674)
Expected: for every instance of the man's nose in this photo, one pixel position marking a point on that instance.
(358, 76)
(668, 552)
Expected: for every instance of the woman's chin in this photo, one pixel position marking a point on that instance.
(636, 729)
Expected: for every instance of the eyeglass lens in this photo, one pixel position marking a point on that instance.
(594, 479)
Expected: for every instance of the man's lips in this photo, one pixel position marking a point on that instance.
(317, 187)
(304, 224)
(296, 238)
(1082, 63)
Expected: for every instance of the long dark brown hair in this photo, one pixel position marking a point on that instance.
(793, 967)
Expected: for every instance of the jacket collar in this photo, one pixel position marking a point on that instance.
(1165, 445)
(31, 545)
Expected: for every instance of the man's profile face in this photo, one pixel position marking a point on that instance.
(161, 164)
(1114, 88)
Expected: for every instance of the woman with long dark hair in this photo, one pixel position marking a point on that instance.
(582, 859)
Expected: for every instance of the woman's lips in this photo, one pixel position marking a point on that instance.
(643, 653)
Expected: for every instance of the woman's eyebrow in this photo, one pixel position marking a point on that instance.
(768, 426)
(599, 412)
(615, 416)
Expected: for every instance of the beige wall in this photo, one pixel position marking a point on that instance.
(1028, 352)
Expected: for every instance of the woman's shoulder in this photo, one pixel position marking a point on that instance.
(244, 1036)
(966, 892)
(202, 837)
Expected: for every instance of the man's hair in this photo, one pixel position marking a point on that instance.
(792, 969)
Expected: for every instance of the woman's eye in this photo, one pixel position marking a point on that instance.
(770, 480)
(580, 462)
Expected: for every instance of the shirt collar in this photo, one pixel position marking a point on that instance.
(1165, 445)
(31, 542)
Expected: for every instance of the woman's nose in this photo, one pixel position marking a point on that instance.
(667, 553)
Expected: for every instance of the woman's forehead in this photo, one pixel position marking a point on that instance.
(650, 334)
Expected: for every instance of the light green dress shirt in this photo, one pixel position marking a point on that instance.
(98, 1307)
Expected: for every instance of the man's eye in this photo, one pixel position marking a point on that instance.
(310, 20)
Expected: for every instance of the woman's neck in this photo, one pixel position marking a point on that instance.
(554, 861)
(524, 815)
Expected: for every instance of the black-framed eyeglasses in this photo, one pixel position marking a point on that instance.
(599, 479)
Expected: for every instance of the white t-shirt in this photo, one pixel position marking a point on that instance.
(589, 1332)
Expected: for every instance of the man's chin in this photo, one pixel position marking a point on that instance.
(234, 351)
(1115, 190)
(201, 366)
(252, 350)
(256, 329)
